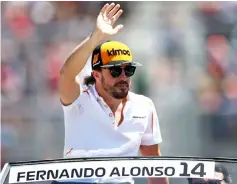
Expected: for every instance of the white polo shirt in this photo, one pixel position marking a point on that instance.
(91, 129)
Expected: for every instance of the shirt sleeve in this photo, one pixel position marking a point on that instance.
(86, 71)
(83, 89)
(152, 134)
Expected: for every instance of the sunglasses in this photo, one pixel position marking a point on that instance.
(116, 71)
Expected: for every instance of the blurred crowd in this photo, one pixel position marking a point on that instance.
(189, 50)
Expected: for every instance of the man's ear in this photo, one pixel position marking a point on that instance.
(95, 74)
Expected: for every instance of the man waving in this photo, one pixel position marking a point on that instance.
(103, 118)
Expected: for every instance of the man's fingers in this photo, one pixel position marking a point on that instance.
(113, 11)
(109, 8)
(104, 8)
(118, 28)
(116, 16)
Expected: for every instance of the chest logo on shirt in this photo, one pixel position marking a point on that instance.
(139, 117)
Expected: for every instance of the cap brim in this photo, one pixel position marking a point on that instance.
(120, 63)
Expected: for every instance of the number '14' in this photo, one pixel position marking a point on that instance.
(197, 170)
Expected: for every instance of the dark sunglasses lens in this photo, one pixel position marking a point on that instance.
(115, 71)
(129, 70)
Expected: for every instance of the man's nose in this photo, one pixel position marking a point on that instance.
(123, 75)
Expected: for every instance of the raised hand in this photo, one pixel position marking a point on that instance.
(106, 19)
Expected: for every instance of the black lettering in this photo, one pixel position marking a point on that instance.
(40, 174)
(52, 174)
(185, 170)
(110, 53)
(137, 171)
(171, 169)
(30, 175)
(20, 175)
(64, 173)
(145, 170)
(123, 172)
(115, 171)
(98, 170)
(115, 52)
(118, 52)
(201, 172)
(74, 171)
(86, 174)
(159, 170)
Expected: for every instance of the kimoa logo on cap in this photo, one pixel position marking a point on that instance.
(115, 52)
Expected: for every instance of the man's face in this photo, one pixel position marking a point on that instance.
(116, 81)
(219, 179)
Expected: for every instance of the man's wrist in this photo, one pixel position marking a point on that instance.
(96, 38)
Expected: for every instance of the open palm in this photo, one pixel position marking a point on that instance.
(108, 15)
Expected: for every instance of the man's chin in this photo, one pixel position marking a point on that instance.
(119, 95)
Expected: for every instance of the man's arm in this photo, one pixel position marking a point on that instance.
(68, 87)
(151, 139)
(153, 150)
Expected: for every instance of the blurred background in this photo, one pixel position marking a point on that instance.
(189, 53)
